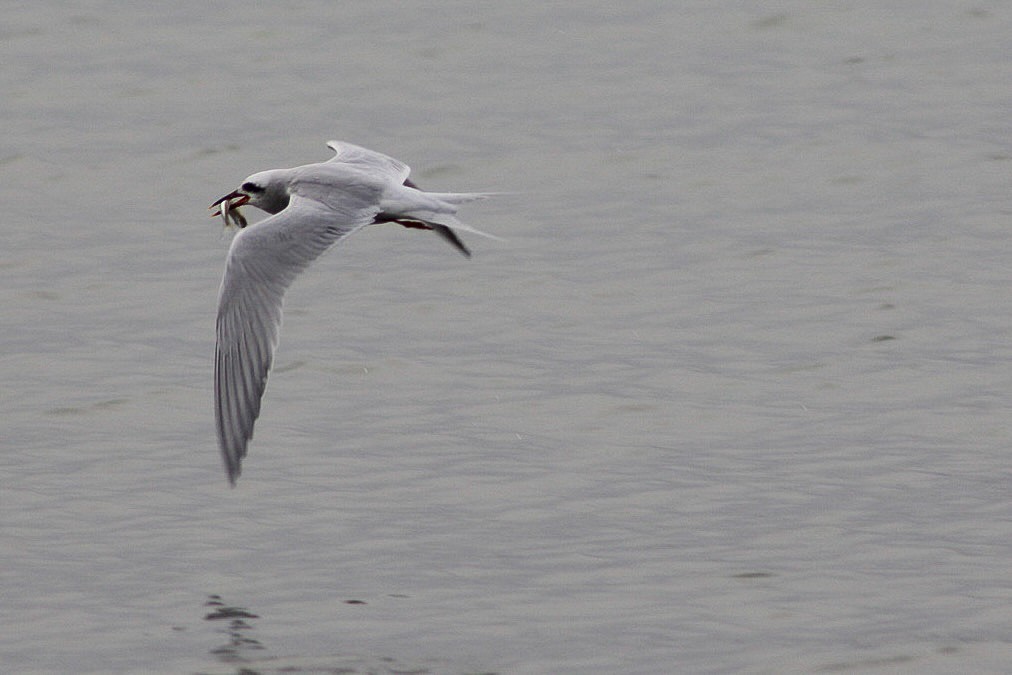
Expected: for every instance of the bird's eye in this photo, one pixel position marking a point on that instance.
(251, 187)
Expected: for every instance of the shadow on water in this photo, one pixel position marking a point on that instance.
(246, 653)
(239, 643)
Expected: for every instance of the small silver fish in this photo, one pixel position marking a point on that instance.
(228, 213)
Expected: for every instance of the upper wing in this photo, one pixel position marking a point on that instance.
(262, 262)
(402, 200)
(369, 160)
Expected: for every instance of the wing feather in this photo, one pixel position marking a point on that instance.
(369, 160)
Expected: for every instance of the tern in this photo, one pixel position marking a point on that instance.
(312, 207)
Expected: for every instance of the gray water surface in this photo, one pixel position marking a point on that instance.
(732, 396)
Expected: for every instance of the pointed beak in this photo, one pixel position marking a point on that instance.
(239, 198)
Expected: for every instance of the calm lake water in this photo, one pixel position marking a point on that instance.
(733, 395)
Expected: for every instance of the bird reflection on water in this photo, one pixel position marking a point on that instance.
(247, 653)
(238, 629)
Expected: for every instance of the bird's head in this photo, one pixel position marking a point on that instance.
(266, 190)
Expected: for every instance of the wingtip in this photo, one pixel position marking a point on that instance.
(233, 468)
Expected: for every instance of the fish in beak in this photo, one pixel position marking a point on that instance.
(228, 208)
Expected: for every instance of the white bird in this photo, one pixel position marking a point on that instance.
(313, 207)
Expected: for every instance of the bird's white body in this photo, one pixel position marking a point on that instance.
(313, 207)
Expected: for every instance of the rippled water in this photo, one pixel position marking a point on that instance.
(732, 396)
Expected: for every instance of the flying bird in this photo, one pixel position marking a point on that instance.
(312, 207)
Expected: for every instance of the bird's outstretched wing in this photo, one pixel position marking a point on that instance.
(373, 162)
(262, 262)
